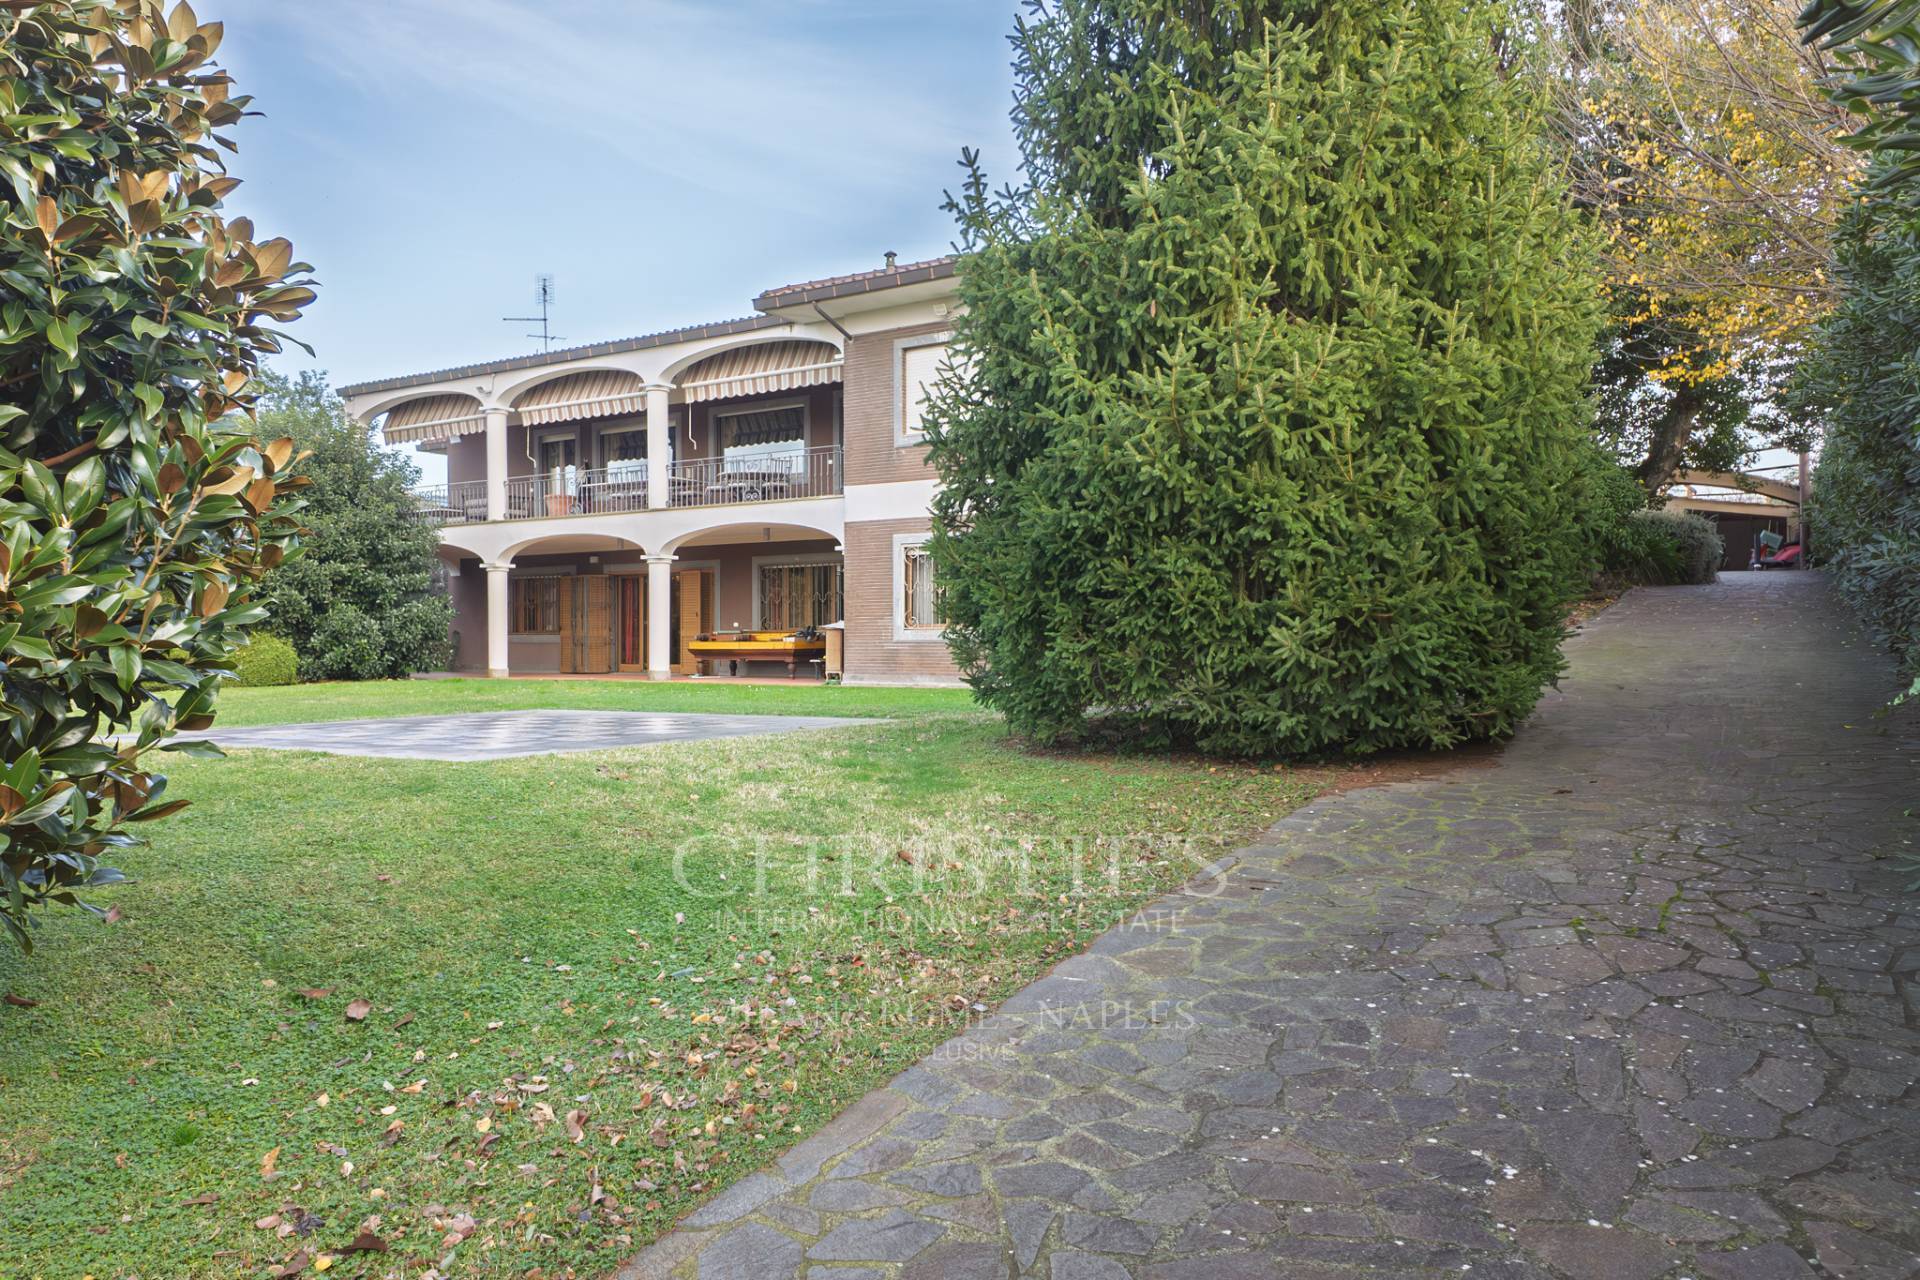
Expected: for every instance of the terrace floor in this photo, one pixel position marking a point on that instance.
(1637, 1002)
(501, 735)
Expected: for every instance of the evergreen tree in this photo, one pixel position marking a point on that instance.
(360, 604)
(1267, 403)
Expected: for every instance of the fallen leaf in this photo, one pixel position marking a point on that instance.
(267, 1223)
(205, 1197)
(366, 1242)
(21, 1002)
(392, 1135)
(483, 1124)
(269, 1162)
(292, 1266)
(113, 915)
(405, 1018)
(415, 1087)
(577, 1125)
(358, 1010)
(313, 993)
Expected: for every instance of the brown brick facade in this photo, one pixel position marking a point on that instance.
(872, 455)
(873, 654)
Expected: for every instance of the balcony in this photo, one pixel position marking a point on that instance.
(693, 482)
(714, 482)
(464, 502)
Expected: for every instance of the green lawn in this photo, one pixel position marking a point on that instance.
(642, 971)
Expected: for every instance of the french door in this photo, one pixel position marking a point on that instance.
(559, 465)
(630, 622)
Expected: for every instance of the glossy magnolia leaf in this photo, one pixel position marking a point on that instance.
(129, 563)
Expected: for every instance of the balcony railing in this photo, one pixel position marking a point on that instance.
(713, 482)
(576, 493)
(695, 482)
(463, 502)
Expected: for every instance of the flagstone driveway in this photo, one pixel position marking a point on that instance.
(1638, 1002)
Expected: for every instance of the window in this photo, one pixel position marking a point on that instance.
(799, 595)
(919, 375)
(921, 365)
(921, 605)
(533, 606)
(624, 454)
(768, 439)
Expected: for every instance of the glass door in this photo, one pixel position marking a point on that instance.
(559, 472)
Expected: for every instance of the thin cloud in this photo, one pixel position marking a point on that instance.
(724, 97)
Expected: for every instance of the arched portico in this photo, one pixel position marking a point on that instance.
(593, 596)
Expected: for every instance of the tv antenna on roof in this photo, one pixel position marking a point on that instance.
(543, 298)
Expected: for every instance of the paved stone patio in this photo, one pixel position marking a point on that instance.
(1639, 1002)
(498, 735)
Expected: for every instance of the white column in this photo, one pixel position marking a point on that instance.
(659, 445)
(497, 619)
(659, 617)
(497, 473)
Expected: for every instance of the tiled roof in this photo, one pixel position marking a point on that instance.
(691, 333)
(859, 282)
(786, 295)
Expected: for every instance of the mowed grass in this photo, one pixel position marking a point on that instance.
(601, 986)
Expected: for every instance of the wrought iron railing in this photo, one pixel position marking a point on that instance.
(463, 502)
(712, 482)
(695, 482)
(576, 493)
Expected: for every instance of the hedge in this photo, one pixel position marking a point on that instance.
(265, 660)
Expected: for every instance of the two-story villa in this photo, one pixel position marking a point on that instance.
(607, 504)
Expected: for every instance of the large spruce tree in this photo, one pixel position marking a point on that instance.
(1267, 397)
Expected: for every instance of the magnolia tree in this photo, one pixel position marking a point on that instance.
(138, 511)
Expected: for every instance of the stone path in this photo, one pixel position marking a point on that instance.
(498, 735)
(1639, 1002)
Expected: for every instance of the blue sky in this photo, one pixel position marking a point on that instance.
(664, 159)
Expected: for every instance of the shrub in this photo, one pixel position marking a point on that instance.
(1673, 548)
(1268, 397)
(1863, 380)
(138, 511)
(1610, 495)
(347, 645)
(265, 660)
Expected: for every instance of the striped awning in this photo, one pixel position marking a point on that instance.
(755, 370)
(601, 393)
(433, 418)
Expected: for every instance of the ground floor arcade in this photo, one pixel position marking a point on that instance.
(787, 601)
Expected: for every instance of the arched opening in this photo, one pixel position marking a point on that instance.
(577, 443)
(758, 421)
(768, 593)
(453, 426)
(567, 604)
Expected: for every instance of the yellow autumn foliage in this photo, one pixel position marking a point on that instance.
(1702, 140)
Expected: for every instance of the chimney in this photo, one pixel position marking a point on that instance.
(892, 259)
